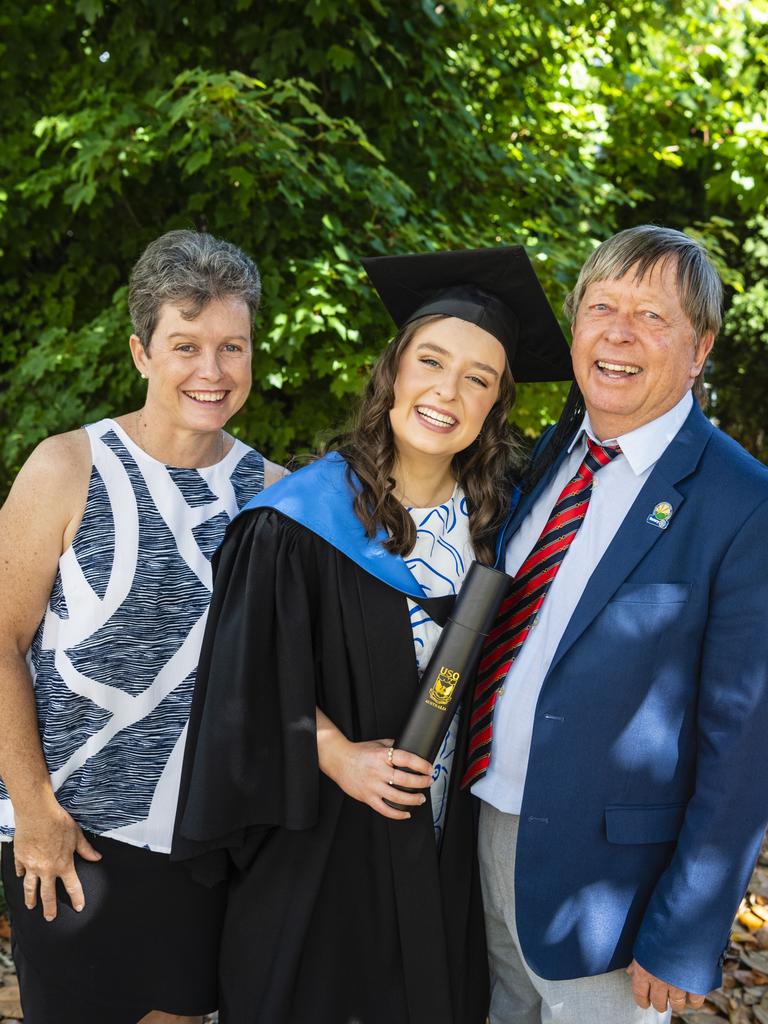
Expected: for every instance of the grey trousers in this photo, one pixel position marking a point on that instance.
(518, 996)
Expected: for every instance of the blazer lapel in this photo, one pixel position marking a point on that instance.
(636, 536)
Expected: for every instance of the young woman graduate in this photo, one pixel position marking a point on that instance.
(342, 909)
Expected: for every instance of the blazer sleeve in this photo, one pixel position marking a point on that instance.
(251, 753)
(688, 920)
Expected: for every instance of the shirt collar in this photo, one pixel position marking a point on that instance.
(645, 445)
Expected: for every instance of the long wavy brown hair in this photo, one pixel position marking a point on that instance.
(483, 470)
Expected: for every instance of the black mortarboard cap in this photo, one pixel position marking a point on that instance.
(497, 289)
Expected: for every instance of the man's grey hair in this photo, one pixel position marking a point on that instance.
(189, 269)
(698, 283)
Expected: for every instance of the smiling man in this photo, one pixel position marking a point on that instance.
(620, 716)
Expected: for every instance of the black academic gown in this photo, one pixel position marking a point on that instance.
(336, 914)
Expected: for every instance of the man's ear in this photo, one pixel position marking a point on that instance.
(703, 348)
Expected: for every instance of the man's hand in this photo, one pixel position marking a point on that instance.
(649, 990)
(44, 848)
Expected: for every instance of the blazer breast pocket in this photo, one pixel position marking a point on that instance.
(653, 823)
(652, 593)
(639, 612)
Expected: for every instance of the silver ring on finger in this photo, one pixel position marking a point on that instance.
(390, 754)
(392, 780)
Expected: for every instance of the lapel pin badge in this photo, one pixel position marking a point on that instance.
(661, 515)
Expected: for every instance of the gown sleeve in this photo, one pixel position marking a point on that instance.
(251, 751)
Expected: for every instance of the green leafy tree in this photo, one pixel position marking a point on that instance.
(312, 132)
(740, 373)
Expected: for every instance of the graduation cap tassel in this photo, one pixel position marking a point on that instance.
(453, 662)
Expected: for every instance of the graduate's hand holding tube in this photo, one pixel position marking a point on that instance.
(453, 662)
(367, 771)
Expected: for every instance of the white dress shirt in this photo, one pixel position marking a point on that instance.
(614, 490)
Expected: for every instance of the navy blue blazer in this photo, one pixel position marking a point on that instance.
(646, 796)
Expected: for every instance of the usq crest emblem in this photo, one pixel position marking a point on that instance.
(442, 689)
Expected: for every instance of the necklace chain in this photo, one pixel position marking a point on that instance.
(404, 499)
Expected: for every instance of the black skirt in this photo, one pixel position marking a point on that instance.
(148, 939)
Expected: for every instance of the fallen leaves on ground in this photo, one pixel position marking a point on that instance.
(10, 1007)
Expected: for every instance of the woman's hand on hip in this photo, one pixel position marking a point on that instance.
(44, 850)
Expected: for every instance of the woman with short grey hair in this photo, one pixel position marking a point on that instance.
(105, 553)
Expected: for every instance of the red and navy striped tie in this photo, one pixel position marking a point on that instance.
(518, 612)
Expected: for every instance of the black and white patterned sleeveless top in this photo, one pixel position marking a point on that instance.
(114, 659)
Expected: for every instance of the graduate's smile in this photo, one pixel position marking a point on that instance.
(436, 419)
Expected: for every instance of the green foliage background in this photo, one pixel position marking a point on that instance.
(312, 132)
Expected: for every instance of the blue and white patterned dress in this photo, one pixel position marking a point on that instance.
(439, 560)
(114, 659)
